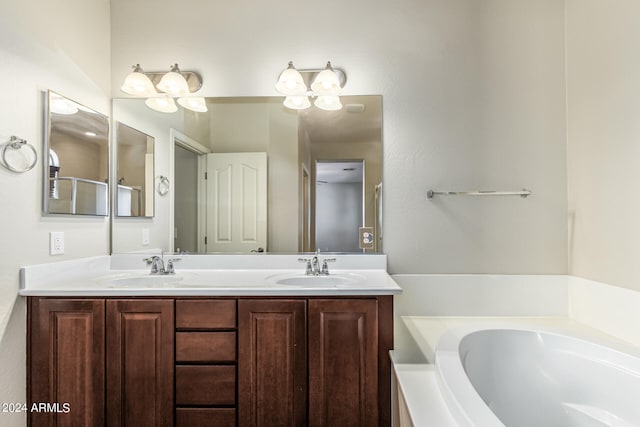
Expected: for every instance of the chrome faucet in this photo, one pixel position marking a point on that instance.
(313, 265)
(157, 264)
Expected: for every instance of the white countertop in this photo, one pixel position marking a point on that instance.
(206, 275)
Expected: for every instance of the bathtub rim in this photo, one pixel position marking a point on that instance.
(464, 403)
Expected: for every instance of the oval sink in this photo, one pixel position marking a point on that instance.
(332, 280)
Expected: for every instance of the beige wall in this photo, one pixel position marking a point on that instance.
(603, 69)
(70, 56)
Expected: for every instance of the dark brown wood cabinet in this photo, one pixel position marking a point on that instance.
(206, 379)
(199, 361)
(140, 363)
(74, 342)
(314, 362)
(272, 361)
(343, 363)
(66, 353)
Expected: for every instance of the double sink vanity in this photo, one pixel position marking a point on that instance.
(226, 340)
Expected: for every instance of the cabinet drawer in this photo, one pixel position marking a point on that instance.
(205, 346)
(205, 417)
(205, 385)
(205, 314)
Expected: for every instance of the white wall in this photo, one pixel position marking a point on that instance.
(473, 98)
(603, 69)
(71, 56)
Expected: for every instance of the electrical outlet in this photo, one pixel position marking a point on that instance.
(56, 243)
(145, 236)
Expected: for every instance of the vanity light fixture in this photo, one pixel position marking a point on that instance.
(325, 85)
(174, 83)
(291, 82)
(161, 87)
(326, 82)
(138, 83)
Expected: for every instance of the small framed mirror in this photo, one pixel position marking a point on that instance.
(135, 172)
(76, 145)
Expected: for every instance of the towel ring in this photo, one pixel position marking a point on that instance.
(16, 143)
(163, 185)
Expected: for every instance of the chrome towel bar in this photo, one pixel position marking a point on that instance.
(522, 193)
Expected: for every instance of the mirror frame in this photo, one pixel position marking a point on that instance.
(46, 179)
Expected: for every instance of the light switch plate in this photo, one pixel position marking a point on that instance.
(56, 243)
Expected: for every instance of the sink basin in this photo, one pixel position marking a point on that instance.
(332, 280)
(141, 281)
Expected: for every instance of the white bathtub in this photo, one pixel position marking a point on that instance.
(534, 378)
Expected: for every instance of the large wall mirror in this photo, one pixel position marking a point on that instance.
(77, 171)
(135, 172)
(250, 175)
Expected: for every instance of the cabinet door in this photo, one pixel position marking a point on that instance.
(343, 363)
(66, 361)
(140, 363)
(272, 363)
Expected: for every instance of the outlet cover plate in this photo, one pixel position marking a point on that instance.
(56, 243)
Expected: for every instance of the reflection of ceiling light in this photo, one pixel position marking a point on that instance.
(194, 104)
(162, 104)
(174, 83)
(297, 102)
(328, 102)
(60, 105)
(327, 85)
(137, 83)
(90, 133)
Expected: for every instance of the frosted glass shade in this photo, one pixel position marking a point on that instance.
(138, 84)
(291, 82)
(162, 104)
(297, 102)
(326, 82)
(173, 83)
(328, 102)
(194, 104)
